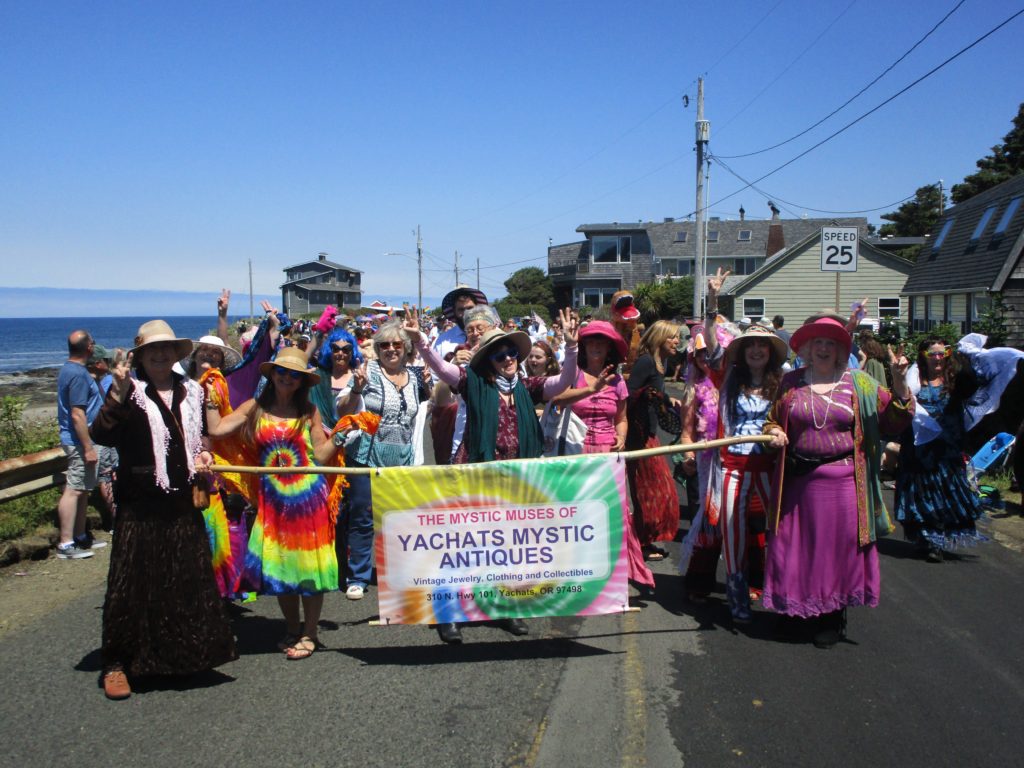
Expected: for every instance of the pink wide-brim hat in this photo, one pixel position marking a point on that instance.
(823, 327)
(605, 330)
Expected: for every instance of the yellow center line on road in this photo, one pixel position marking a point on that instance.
(634, 746)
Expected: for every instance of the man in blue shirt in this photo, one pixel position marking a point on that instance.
(78, 402)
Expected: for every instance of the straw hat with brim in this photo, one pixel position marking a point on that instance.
(762, 333)
(156, 331)
(822, 328)
(496, 337)
(292, 358)
(231, 355)
(605, 330)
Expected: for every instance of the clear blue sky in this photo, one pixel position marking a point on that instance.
(162, 145)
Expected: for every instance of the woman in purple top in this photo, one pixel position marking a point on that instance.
(828, 509)
(599, 399)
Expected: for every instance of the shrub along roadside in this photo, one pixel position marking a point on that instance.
(18, 437)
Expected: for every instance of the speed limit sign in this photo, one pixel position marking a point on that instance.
(839, 249)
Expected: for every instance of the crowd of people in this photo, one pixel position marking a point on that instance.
(794, 509)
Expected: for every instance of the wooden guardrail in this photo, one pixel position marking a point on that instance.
(34, 472)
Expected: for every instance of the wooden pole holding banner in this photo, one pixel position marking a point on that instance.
(662, 450)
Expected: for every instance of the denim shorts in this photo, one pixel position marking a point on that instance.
(108, 463)
(79, 477)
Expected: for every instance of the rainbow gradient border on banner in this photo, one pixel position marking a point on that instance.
(596, 482)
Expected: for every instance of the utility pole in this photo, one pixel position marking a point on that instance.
(457, 268)
(478, 273)
(942, 200)
(419, 266)
(250, 290)
(703, 128)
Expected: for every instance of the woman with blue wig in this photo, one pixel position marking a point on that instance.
(338, 358)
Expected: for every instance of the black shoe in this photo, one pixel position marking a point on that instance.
(450, 633)
(933, 555)
(831, 629)
(516, 626)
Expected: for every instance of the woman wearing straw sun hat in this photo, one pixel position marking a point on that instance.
(828, 509)
(291, 549)
(501, 422)
(162, 614)
(738, 490)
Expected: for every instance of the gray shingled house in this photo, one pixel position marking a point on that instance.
(974, 251)
(621, 256)
(310, 286)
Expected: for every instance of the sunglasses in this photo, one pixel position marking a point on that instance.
(278, 370)
(346, 348)
(391, 345)
(939, 355)
(504, 354)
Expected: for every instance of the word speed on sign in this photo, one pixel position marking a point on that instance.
(839, 249)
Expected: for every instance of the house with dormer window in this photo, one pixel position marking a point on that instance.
(621, 256)
(974, 251)
(310, 286)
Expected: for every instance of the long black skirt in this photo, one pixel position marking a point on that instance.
(163, 614)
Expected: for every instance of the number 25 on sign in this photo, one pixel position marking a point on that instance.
(839, 249)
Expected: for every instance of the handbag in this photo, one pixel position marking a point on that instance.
(668, 416)
(564, 431)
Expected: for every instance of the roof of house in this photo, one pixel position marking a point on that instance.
(966, 258)
(734, 283)
(665, 237)
(324, 263)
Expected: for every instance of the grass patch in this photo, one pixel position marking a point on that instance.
(19, 437)
(19, 517)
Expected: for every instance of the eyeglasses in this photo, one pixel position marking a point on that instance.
(504, 354)
(279, 371)
(346, 348)
(390, 344)
(938, 355)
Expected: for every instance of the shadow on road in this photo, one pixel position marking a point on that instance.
(470, 652)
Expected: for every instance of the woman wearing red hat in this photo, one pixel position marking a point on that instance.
(599, 399)
(828, 509)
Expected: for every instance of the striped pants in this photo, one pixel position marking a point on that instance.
(746, 488)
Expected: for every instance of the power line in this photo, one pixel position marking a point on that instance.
(739, 42)
(776, 198)
(852, 98)
(873, 109)
(791, 64)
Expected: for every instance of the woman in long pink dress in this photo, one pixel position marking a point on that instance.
(828, 510)
(599, 399)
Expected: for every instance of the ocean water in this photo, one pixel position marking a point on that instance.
(42, 342)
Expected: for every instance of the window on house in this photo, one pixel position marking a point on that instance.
(609, 250)
(743, 236)
(1007, 217)
(982, 223)
(680, 237)
(889, 307)
(981, 305)
(745, 266)
(936, 309)
(712, 235)
(958, 311)
(753, 308)
(947, 225)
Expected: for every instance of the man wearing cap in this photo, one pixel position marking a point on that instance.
(78, 402)
(99, 366)
(454, 304)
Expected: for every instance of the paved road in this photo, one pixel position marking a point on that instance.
(933, 677)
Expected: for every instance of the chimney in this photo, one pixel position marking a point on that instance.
(776, 238)
(743, 213)
(322, 256)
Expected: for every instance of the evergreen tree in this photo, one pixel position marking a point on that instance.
(915, 218)
(1005, 162)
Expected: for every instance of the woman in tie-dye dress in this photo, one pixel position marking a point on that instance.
(291, 548)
